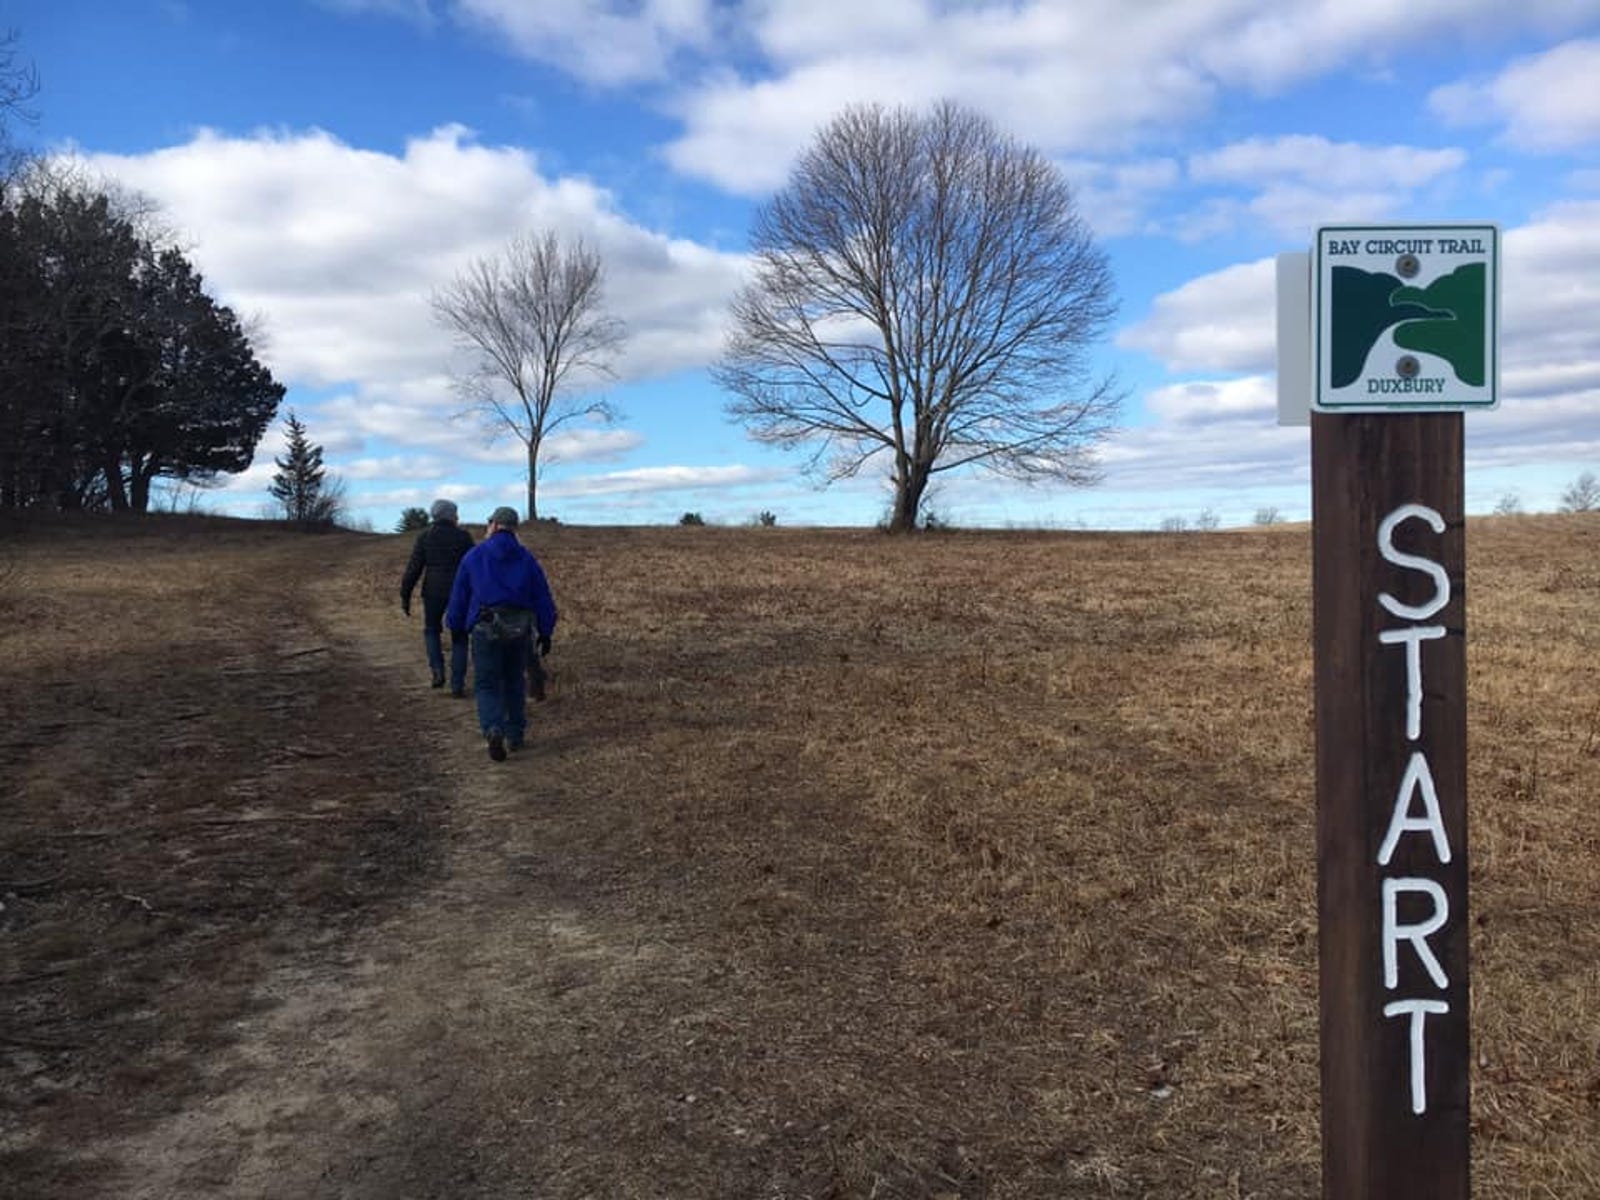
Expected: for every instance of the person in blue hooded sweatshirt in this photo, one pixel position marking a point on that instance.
(501, 597)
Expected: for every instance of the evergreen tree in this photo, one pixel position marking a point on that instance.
(298, 484)
(412, 520)
(116, 368)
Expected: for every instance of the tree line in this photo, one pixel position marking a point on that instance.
(117, 369)
(924, 297)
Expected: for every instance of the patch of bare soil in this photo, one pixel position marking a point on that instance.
(965, 866)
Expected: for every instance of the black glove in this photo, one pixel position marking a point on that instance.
(544, 645)
(405, 605)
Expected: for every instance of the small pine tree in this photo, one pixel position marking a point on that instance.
(298, 484)
(411, 520)
(691, 518)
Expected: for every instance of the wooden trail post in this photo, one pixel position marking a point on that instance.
(1402, 326)
(1391, 804)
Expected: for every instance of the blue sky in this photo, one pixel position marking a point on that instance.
(328, 163)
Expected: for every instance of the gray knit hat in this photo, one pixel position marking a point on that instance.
(443, 510)
(504, 517)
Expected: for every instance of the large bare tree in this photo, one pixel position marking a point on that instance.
(534, 320)
(925, 291)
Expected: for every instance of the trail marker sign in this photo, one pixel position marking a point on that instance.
(1405, 318)
(1399, 341)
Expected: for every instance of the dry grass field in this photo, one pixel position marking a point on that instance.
(969, 865)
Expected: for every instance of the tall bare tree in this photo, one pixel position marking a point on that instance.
(924, 290)
(535, 321)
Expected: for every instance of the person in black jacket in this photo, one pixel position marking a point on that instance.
(434, 559)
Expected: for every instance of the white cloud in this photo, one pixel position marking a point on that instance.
(253, 478)
(1268, 47)
(1253, 398)
(425, 414)
(664, 479)
(743, 136)
(800, 32)
(1547, 102)
(1235, 455)
(1550, 292)
(1548, 429)
(396, 466)
(607, 42)
(1304, 180)
(338, 248)
(1062, 76)
(1224, 321)
(1115, 197)
(589, 445)
(1295, 210)
(752, 80)
(1336, 166)
(1046, 73)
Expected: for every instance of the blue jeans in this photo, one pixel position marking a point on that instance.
(497, 672)
(433, 639)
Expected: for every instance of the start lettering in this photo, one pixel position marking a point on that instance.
(1416, 787)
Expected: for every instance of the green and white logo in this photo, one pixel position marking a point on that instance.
(1405, 318)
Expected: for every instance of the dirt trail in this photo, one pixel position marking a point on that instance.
(303, 939)
(431, 1054)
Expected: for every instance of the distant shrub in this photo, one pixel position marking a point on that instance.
(1509, 505)
(412, 520)
(691, 518)
(1268, 515)
(1174, 525)
(1583, 495)
(1207, 520)
(766, 518)
(180, 497)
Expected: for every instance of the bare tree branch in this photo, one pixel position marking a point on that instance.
(19, 83)
(533, 319)
(924, 287)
